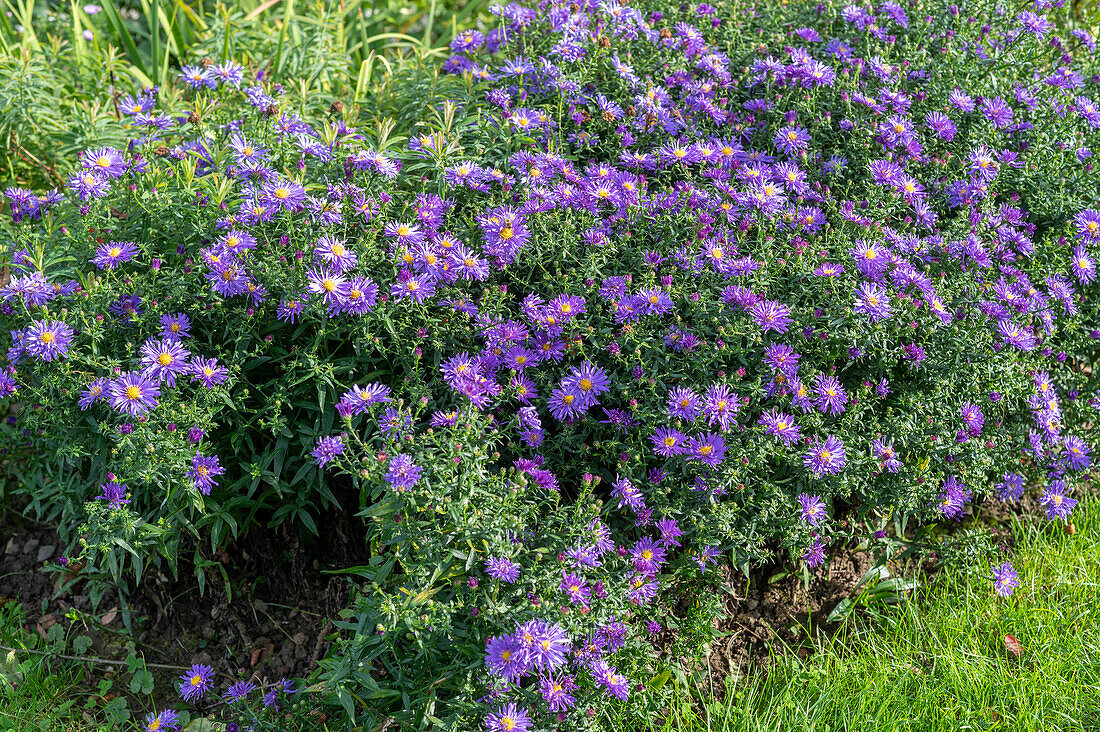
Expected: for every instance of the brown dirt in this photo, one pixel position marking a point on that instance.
(764, 618)
(272, 622)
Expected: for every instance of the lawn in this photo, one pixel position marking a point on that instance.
(955, 656)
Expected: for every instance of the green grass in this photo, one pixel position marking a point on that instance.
(940, 661)
(35, 690)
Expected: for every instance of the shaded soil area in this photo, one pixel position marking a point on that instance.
(773, 611)
(273, 621)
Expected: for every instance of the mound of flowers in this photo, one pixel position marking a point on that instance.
(657, 289)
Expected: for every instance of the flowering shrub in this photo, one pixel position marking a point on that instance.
(657, 287)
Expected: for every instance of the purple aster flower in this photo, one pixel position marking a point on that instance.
(282, 195)
(1016, 335)
(289, 309)
(403, 473)
(549, 646)
(412, 286)
(668, 442)
(505, 657)
(196, 77)
(670, 532)
(194, 684)
(812, 509)
(48, 340)
(953, 498)
(327, 449)
(648, 555)
(1005, 579)
(93, 393)
(706, 554)
(1077, 452)
(1088, 225)
(872, 301)
(508, 718)
(815, 554)
(208, 371)
(1011, 488)
(826, 457)
(584, 556)
(239, 691)
(973, 418)
(719, 405)
(169, 719)
(556, 692)
(335, 253)
(1035, 24)
(708, 448)
(114, 493)
(887, 455)
(574, 587)
(782, 358)
(770, 315)
(362, 397)
(829, 395)
(204, 469)
(111, 255)
(88, 185)
(1057, 504)
(175, 326)
(781, 425)
(133, 394)
(163, 359)
(942, 125)
(332, 287)
(683, 403)
(502, 569)
(643, 588)
(609, 678)
(791, 140)
(586, 383)
(1084, 269)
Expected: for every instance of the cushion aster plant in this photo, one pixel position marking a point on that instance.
(654, 288)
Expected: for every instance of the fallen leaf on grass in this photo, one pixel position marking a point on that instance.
(109, 616)
(1013, 645)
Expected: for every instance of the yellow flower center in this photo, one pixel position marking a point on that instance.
(133, 393)
(48, 337)
(164, 359)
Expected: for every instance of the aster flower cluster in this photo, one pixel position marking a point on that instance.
(672, 283)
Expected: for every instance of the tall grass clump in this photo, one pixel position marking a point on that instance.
(652, 289)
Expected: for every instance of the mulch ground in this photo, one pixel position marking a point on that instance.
(273, 622)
